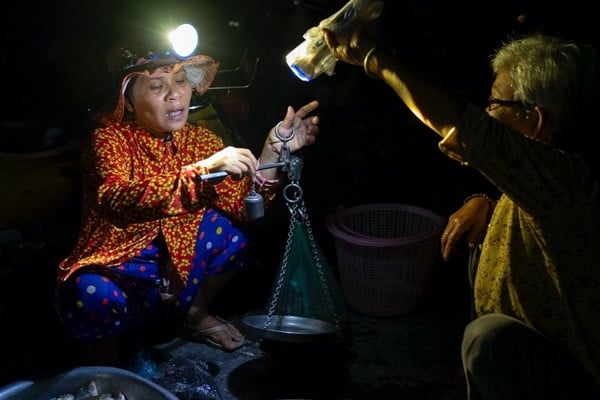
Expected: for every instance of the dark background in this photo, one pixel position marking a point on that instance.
(53, 52)
(55, 75)
(370, 148)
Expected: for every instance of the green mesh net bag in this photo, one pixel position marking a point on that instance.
(305, 285)
(306, 302)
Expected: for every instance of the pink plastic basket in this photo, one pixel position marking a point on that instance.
(386, 254)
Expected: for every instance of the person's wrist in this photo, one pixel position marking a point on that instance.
(263, 182)
(367, 62)
(272, 149)
(475, 195)
(490, 202)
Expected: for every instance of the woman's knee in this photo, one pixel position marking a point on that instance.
(220, 246)
(92, 307)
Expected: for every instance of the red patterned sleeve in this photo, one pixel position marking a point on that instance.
(128, 186)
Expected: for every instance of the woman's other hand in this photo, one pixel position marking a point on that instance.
(467, 222)
(297, 122)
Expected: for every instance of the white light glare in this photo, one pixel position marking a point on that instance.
(184, 40)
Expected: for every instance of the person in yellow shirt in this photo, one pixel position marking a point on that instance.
(536, 334)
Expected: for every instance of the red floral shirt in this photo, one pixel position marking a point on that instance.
(136, 186)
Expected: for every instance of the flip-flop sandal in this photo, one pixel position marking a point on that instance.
(205, 335)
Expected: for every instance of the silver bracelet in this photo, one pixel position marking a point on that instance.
(366, 63)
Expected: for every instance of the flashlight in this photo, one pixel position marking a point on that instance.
(312, 57)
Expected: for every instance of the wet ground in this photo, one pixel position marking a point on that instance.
(411, 356)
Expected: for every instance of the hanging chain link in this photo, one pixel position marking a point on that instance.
(282, 271)
(295, 203)
(320, 268)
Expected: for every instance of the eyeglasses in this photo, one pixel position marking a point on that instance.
(492, 100)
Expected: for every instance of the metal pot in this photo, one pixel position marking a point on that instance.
(108, 380)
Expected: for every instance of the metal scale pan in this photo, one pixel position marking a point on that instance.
(289, 328)
(275, 325)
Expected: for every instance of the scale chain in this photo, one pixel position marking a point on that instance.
(283, 270)
(301, 211)
(315, 251)
(294, 198)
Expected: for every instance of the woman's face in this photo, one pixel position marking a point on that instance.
(160, 101)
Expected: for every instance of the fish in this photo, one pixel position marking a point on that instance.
(89, 391)
(66, 396)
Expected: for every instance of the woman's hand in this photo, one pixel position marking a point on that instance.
(303, 127)
(470, 220)
(236, 161)
(352, 43)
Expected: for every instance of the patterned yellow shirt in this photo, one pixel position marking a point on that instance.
(540, 260)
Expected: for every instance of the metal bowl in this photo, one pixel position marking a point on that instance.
(108, 380)
(289, 328)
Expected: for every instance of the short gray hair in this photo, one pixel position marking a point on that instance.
(551, 72)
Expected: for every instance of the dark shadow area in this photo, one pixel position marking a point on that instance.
(293, 370)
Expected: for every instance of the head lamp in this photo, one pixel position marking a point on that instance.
(184, 40)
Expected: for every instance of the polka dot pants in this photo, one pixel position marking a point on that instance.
(100, 302)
